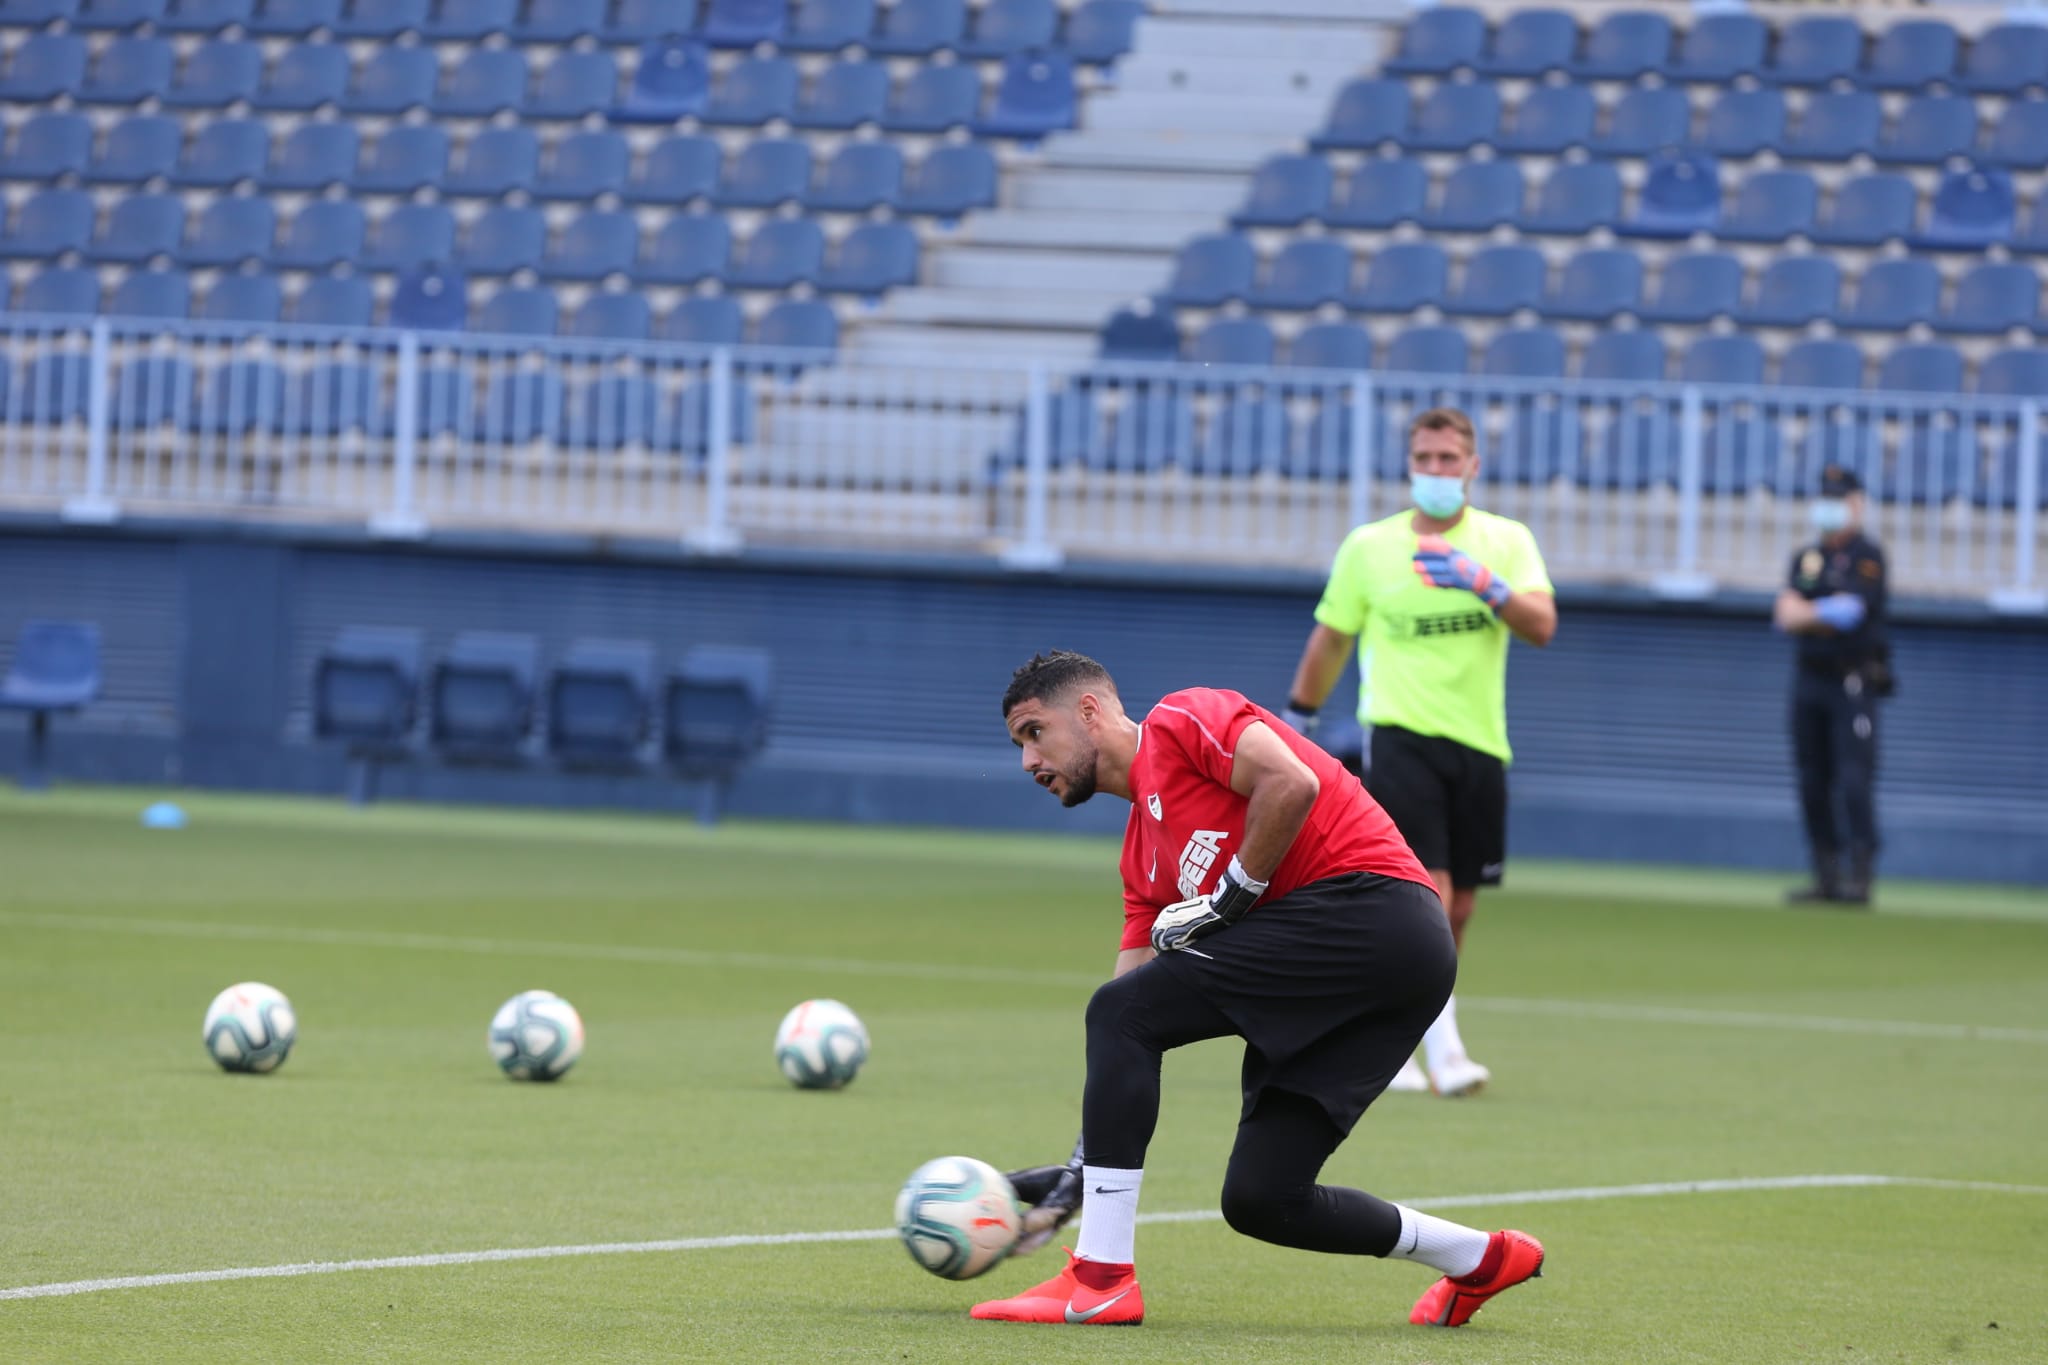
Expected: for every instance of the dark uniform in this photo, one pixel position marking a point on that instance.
(1841, 676)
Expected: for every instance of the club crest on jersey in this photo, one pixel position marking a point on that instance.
(1152, 804)
(1198, 858)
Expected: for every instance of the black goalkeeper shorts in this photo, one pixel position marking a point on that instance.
(1450, 802)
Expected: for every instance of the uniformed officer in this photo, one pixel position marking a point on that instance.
(1834, 602)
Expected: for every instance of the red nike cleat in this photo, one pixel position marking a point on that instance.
(1063, 1298)
(1452, 1302)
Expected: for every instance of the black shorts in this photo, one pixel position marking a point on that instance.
(1450, 802)
(1331, 986)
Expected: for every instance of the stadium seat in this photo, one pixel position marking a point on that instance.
(1681, 195)
(916, 28)
(829, 25)
(1742, 123)
(688, 248)
(1244, 435)
(403, 159)
(468, 20)
(333, 398)
(1869, 210)
(1549, 120)
(45, 66)
(557, 22)
(410, 236)
(1004, 28)
(334, 301)
(859, 177)
(292, 18)
(1892, 295)
(1770, 207)
(1733, 359)
(950, 181)
(365, 692)
(1696, 287)
(520, 405)
(584, 165)
(2033, 236)
(35, 13)
(2018, 372)
(139, 148)
(1815, 50)
(485, 82)
(1331, 346)
(1997, 296)
(743, 23)
(1794, 291)
(1624, 46)
(755, 91)
(1308, 272)
(1930, 130)
(934, 100)
(304, 78)
(1369, 112)
(55, 669)
(596, 243)
(715, 710)
(1597, 285)
(1644, 122)
(671, 81)
(781, 253)
(1153, 427)
(430, 298)
(1524, 353)
(380, 18)
(204, 16)
(222, 153)
(1100, 31)
(47, 147)
(503, 239)
(481, 696)
(1911, 55)
(2019, 140)
(610, 317)
(218, 73)
(48, 224)
(115, 14)
(2007, 59)
(1454, 118)
(1921, 367)
(127, 72)
(767, 172)
(57, 385)
(1286, 191)
(1034, 97)
(676, 170)
(1623, 358)
(1402, 277)
(1438, 41)
(494, 163)
(704, 320)
(1138, 334)
(1232, 341)
(1499, 280)
(614, 411)
(392, 81)
(1574, 199)
(1970, 210)
(1428, 350)
(322, 234)
(600, 702)
(1529, 43)
(1721, 46)
(240, 397)
(799, 325)
(1478, 197)
(314, 156)
(1822, 364)
(1381, 193)
(1211, 271)
(228, 232)
(844, 96)
(61, 289)
(872, 258)
(152, 391)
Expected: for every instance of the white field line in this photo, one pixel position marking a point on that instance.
(935, 971)
(1578, 1194)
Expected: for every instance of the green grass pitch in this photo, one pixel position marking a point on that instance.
(1644, 1026)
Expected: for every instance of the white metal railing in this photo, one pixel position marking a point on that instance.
(1678, 486)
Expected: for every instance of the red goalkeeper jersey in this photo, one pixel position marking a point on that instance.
(1186, 822)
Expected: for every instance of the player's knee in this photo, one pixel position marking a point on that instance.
(1107, 1007)
(1256, 1205)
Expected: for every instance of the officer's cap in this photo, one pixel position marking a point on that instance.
(1838, 481)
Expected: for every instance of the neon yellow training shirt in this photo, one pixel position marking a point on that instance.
(1431, 660)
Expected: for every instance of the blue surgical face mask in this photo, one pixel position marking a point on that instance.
(1828, 514)
(1437, 495)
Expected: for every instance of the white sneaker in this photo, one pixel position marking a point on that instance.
(1410, 1078)
(1459, 1077)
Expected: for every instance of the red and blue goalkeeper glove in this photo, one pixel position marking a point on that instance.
(1444, 567)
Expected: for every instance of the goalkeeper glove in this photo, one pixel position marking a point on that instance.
(1300, 719)
(1445, 567)
(1054, 1193)
(1843, 611)
(1185, 921)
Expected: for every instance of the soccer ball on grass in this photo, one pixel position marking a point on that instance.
(958, 1217)
(536, 1036)
(821, 1045)
(249, 1027)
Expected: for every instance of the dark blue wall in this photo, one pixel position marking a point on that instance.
(1645, 732)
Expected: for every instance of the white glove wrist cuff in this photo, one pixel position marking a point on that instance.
(1244, 879)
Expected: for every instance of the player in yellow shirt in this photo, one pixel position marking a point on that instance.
(1430, 596)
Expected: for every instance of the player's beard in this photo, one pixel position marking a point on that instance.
(1080, 778)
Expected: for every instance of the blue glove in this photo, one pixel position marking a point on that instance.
(1445, 567)
(1181, 923)
(1300, 719)
(1843, 611)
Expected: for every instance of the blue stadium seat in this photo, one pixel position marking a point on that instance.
(1138, 334)
(152, 391)
(1308, 272)
(844, 95)
(1402, 277)
(392, 81)
(35, 13)
(636, 21)
(1574, 199)
(1997, 296)
(2007, 59)
(481, 696)
(676, 170)
(1623, 358)
(411, 236)
(494, 163)
(305, 77)
(364, 687)
(140, 147)
(1453, 118)
(1524, 353)
(1286, 191)
(1153, 427)
(1624, 46)
(1479, 196)
(757, 90)
(671, 81)
(1004, 28)
(1381, 193)
(380, 18)
(743, 23)
(1930, 130)
(1911, 55)
(520, 405)
(139, 228)
(204, 16)
(1744, 122)
(1645, 121)
(1499, 280)
(1438, 41)
(1428, 350)
(228, 232)
(614, 411)
(48, 147)
(1100, 31)
(48, 224)
(1892, 295)
(549, 22)
(1369, 112)
(1550, 119)
(935, 99)
(1232, 341)
(584, 165)
(1815, 50)
(915, 28)
(45, 66)
(1869, 210)
(950, 181)
(334, 301)
(222, 153)
(115, 14)
(1770, 207)
(503, 239)
(1331, 346)
(57, 384)
(859, 177)
(430, 298)
(829, 25)
(292, 18)
(1720, 47)
(517, 310)
(1794, 291)
(61, 289)
(781, 253)
(404, 159)
(1244, 436)
(1971, 210)
(799, 325)
(2018, 372)
(622, 316)
(1921, 367)
(2019, 140)
(1035, 97)
(55, 668)
(1733, 359)
(1211, 271)
(127, 72)
(445, 400)
(596, 243)
(1597, 285)
(1823, 363)
(1695, 288)
(1681, 195)
(468, 20)
(240, 397)
(219, 72)
(1530, 42)
(321, 235)
(767, 172)
(688, 248)
(2033, 237)
(485, 82)
(313, 157)
(704, 320)
(872, 258)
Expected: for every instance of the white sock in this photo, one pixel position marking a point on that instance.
(1450, 1247)
(1442, 1043)
(1109, 1215)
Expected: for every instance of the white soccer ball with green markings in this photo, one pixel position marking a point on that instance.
(821, 1045)
(958, 1217)
(536, 1036)
(250, 1027)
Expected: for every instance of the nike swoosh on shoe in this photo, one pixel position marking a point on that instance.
(1089, 1314)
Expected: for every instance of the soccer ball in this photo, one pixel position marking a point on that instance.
(536, 1036)
(821, 1045)
(958, 1216)
(249, 1027)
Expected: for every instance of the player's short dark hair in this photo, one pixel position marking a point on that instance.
(1445, 419)
(1050, 676)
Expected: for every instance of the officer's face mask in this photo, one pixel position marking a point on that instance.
(1437, 495)
(1828, 514)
